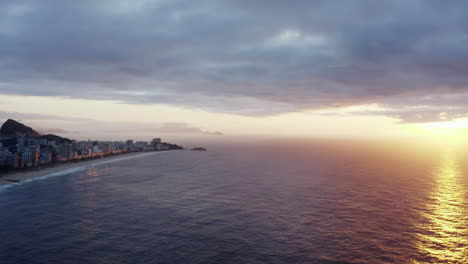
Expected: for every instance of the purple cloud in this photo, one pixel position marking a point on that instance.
(242, 57)
(183, 128)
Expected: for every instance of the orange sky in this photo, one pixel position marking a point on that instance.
(82, 119)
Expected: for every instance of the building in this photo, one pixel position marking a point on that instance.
(64, 152)
(23, 150)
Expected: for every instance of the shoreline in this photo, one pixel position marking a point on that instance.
(18, 177)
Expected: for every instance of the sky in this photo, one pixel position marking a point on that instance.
(110, 69)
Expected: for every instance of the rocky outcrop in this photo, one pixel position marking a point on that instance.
(12, 127)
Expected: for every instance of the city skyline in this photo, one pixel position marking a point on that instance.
(22, 147)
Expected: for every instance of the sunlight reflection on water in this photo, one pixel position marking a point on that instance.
(89, 205)
(443, 238)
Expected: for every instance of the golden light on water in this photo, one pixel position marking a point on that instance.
(443, 236)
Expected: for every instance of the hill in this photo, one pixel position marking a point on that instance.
(11, 127)
(57, 139)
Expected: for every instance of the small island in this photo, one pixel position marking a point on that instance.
(199, 149)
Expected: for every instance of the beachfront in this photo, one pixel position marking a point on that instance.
(16, 177)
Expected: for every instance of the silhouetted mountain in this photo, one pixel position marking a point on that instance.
(57, 139)
(199, 149)
(11, 127)
(173, 146)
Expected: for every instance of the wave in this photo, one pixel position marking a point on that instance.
(75, 169)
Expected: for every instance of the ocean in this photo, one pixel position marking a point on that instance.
(265, 202)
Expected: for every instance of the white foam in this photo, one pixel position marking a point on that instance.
(75, 169)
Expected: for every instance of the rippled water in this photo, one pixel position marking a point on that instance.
(265, 203)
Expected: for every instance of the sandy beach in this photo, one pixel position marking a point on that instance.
(63, 168)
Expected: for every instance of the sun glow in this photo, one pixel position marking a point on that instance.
(450, 132)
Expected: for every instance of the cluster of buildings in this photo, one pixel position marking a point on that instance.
(21, 151)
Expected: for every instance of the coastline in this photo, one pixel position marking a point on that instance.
(17, 177)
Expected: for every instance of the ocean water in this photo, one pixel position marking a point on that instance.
(275, 202)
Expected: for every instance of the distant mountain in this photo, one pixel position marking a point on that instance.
(57, 139)
(11, 127)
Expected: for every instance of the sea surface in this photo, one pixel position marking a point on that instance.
(267, 202)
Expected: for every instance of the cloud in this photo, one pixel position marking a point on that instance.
(37, 117)
(241, 57)
(422, 109)
(417, 115)
(77, 128)
(56, 131)
(183, 128)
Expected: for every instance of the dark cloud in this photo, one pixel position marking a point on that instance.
(244, 57)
